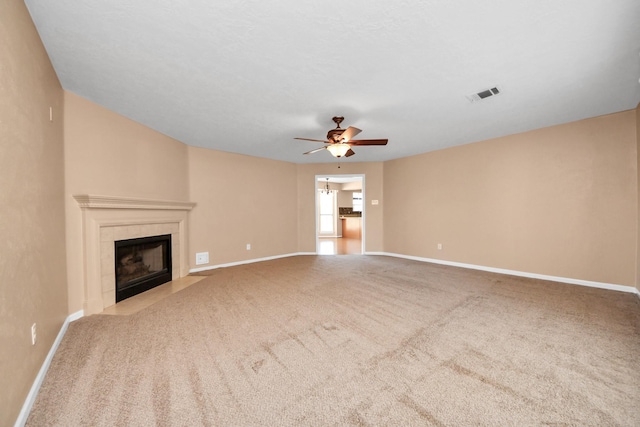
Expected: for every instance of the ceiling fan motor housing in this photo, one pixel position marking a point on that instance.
(334, 134)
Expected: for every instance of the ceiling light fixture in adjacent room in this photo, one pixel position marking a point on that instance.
(326, 189)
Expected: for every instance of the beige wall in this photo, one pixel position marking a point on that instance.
(345, 198)
(107, 154)
(559, 201)
(373, 227)
(32, 254)
(240, 199)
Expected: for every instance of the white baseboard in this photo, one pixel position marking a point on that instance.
(248, 261)
(33, 393)
(602, 285)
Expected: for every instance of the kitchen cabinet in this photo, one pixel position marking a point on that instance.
(351, 227)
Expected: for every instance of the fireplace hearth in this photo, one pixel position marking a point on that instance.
(141, 264)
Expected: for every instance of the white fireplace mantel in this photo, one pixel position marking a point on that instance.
(106, 219)
(109, 202)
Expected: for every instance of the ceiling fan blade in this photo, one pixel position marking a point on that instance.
(314, 140)
(349, 133)
(316, 150)
(349, 153)
(368, 142)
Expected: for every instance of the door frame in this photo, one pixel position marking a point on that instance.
(350, 177)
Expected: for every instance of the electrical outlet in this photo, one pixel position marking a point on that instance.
(248, 246)
(33, 334)
(439, 246)
(202, 258)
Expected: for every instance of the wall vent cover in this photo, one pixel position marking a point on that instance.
(484, 94)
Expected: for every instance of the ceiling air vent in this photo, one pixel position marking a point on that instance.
(488, 93)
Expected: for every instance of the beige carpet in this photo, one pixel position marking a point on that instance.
(353, 340)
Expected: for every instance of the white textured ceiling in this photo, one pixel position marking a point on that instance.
(249, 76)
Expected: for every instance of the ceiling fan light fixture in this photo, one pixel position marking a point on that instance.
(339, 141)
(338, 150)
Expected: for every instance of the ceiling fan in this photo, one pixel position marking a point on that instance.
(340, 141)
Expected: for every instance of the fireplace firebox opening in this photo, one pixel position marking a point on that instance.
(141, 264)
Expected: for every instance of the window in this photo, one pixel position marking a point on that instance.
(357, 202)
(327, 213)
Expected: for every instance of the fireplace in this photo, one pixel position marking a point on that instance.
(141, 264)
(108, 219)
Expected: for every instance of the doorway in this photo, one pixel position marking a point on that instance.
(340, 214)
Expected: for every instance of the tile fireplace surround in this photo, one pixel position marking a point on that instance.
(108, 219)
